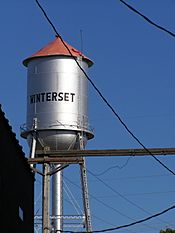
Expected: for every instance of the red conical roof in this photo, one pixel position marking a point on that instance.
(57, 48)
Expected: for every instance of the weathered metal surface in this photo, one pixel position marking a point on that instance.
(67, 160)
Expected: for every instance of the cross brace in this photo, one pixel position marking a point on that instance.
(76, 156)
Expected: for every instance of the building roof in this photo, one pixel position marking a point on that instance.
(57, 48)
(21, 154)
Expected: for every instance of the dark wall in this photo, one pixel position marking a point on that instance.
(16, 184)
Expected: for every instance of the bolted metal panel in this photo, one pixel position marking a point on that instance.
(57, 98)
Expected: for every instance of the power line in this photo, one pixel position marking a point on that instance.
(100, 93)
(101, 202)
(104, 221)
(147, 19)
(118, 193)
(115, 166)
(104, 99)
(109, 207)
(131, 177)
(139, 194)
(122, 226)
(123, 197)
(126, 225)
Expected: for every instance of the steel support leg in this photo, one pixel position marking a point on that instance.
(33, 147)
(34, 140)
(46, 199)
(84, 182)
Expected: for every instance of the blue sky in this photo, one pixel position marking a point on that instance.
(134, 69)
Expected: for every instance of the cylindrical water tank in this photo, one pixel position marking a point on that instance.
(57, 97)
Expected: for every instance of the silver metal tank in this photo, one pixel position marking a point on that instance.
(57, 97)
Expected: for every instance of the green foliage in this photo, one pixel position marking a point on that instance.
(168, 230)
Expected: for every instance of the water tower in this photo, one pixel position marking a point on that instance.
(57, 117)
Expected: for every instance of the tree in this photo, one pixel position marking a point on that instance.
(168, 230)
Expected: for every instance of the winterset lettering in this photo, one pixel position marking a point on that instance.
(52, 96)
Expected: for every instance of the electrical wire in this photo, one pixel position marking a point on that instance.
(115, 166)
(100, 93)
(123, 197)
(139, 194)
(118, 227)
(118, 193)
(108, 206)
(124, 226)
(115, 113)
(109, 223)
(132, 177)
(101, 202)
(147, 19)
(104, 221)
